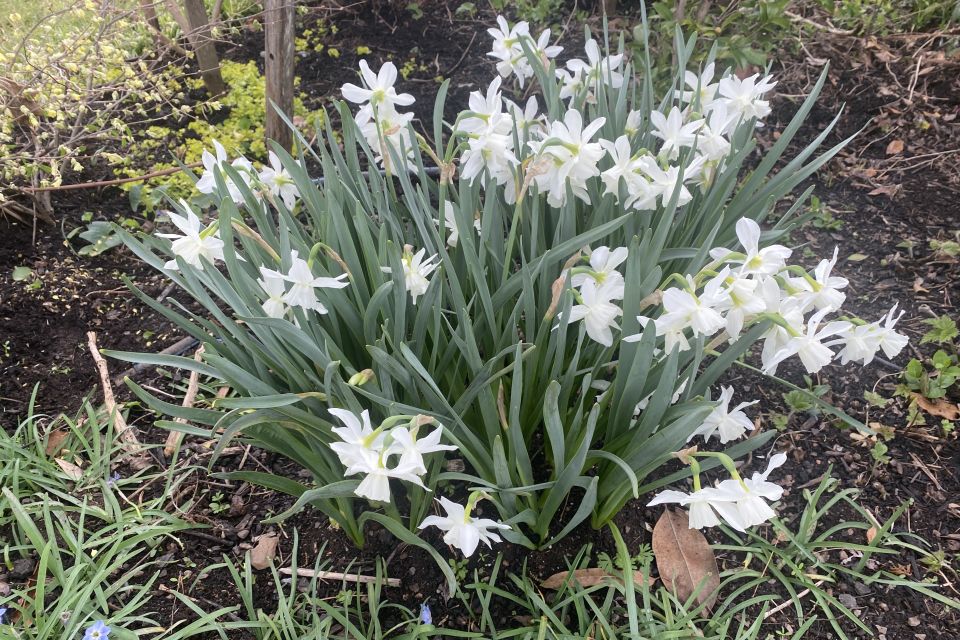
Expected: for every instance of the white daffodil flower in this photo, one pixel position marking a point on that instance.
(597, 68)
(821, 291)
(701, 89)
(193, 242)
(672, 330)
(278, 182)
(213, 164)
(377, 89)
(489, 134)
(486, 112)
(450, 222)
(861, 342)
(387, 132)
(376, 481)
(698, 312)
(760, 262)
(741, 304)
(664, 182)
(809, 344)
(412, 449)
(463, 531)
(626, 168)
(303, 292)
(598, 312)
(416, 271)
(568, 157)
(274, 286)
(743, 504)
(526, 120)
(675, 134)
(358, 436)
(744, 97)
(729, 424)
(604, 263)
(700, 505)
(508, 49)
(712, 139)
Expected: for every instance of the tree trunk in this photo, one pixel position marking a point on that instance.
(149, 10)
(200, 39)
(278, 22)
(160, 40)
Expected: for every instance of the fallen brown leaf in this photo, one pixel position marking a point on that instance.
(684, 559)
(261, 556)
(54, 440)
(588, 578)
(73, 471)
(895, 147)
(940, 408)
(871, 534)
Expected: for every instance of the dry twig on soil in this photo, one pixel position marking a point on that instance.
(346, 577)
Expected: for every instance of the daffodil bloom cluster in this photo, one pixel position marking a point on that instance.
(273, 178)
(743, 287)
(739, 502)
(303, 287)
(384, 128)
(396, 450)
(368, 451)
(578, 200)
(740, 288)
(508, 49)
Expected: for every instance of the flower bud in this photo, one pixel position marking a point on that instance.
(361, 378)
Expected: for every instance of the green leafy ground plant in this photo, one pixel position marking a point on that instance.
(95, 552)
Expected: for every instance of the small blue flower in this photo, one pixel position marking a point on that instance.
(98, 631)
(3, 614)
(111, 481)
(425, 616)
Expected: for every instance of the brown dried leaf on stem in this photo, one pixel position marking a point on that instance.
(684, 559)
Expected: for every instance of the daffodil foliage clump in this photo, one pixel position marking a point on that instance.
(540, 324)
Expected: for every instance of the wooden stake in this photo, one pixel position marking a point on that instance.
(200, 39)
(126, 434)
(174, 437)
(278, 26)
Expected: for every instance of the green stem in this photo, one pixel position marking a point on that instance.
(511, 240)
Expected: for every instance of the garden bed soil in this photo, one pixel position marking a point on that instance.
(883, 194)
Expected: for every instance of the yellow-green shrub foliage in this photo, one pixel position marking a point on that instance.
(76, 80)
(241, 132)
